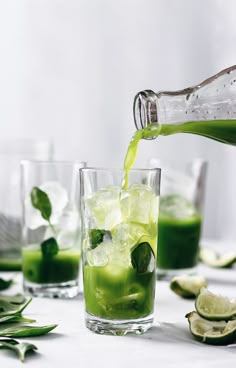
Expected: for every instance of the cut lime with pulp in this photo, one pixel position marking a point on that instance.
(187, 286)
(213, 259)
(211, 332)
(215, 307)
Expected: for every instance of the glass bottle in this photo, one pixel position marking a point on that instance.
(207, 109)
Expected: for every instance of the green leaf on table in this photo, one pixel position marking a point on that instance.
(8, 308)
(25, 331)
(16, 318)
(142, 258)
(20, 348)
(96, 237)
(41, 202)
(15, 299)
(5, 284)
(49, 248)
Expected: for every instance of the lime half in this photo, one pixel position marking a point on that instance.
(187, 286)
(213, 259)
(211, 332)
(215, 307)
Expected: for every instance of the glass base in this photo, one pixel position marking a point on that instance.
(118, 327)
(163, 274)
(65, 290)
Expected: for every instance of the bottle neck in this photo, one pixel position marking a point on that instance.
(145, 109)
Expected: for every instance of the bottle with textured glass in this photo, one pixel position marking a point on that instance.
(207, 109)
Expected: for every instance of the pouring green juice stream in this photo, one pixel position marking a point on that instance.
(220, 130)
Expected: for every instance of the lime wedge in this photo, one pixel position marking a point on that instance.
(211, 332)
(213, 259)
(187, 286)
(215, 307)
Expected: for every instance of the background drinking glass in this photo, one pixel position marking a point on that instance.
(119, 249)
(51, 251)
(11, 153)
(180, 216)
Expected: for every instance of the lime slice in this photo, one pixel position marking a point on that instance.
(187, 286)
(213, 259)
(215, 307)
(211, 332)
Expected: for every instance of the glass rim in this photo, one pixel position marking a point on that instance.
(119, 170)
(52, 162)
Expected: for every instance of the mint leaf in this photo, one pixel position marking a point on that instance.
(7, 308)
(49, 248)
(16, 318)
(20, 348)
(25, 331)
(41, 202)
(5, 284)
(96, 237)
(14, 299)
(143, 258)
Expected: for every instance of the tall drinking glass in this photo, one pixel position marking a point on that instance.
(180, 216)
(51, 228)
(119, 249)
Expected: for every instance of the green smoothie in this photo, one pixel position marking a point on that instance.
(118, 292)
(179, 229)
(62, 267)
(119, 263)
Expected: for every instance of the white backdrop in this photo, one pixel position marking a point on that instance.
(69, 70)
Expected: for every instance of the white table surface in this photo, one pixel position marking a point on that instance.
(167, 344)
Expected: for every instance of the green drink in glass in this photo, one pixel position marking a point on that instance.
(119, 249)
(51, 229)
(180, 216)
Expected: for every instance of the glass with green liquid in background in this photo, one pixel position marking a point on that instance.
(180, 217)
(119, 249)
(51, 228)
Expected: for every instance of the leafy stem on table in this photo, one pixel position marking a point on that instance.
(20, 348)
(12, 324)
(41, 202)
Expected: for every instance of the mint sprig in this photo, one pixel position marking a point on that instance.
(12, 324)
(41, 202)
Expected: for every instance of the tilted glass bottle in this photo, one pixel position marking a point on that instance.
(207, 109)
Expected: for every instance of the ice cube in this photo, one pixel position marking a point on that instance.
(127, 234)
(177, 207)
(69, 219)
(139, 204)
(104, 206)
(97, 257)
(33, 218)
(67, 239)
(58, 197)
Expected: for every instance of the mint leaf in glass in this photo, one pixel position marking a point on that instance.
(5, 284)
(49, 248)
(142, 258)
(41, 202)
(96, 237)
(20, 348)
